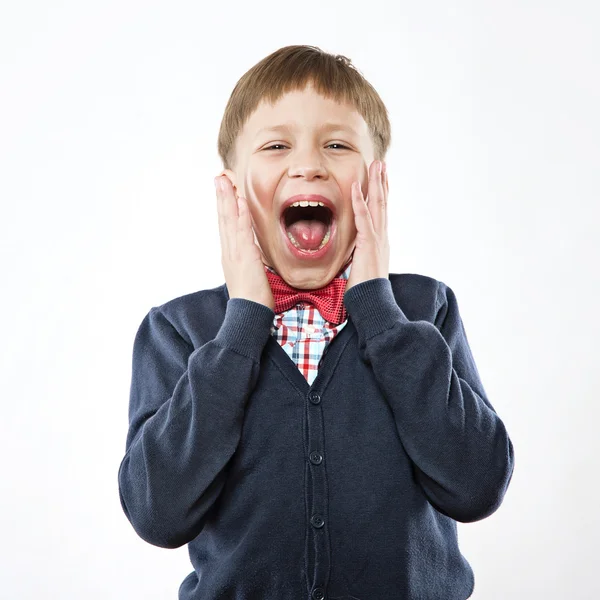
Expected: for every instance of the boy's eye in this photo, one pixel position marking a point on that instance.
(328, 145)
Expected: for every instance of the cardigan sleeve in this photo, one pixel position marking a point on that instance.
(185, 419)
(462, 454)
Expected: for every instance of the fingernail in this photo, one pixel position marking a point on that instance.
(383, 167)
(379, 167)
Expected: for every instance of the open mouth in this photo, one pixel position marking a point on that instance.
(309, 228)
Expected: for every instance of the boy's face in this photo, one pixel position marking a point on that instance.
(303, 161)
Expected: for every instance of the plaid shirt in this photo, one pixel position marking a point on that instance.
(304, 334)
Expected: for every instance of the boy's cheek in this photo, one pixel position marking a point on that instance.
(261, 196)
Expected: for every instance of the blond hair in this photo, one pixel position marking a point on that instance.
(291, 68)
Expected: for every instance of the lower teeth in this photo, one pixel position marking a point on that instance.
(297, 245)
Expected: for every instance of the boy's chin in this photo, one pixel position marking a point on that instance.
(308, 275)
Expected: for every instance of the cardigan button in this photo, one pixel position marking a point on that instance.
(318, 593)
(317, 521)
(316, 458)
(314, 398)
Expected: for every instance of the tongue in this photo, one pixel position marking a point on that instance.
(309, 234)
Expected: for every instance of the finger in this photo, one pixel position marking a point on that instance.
(377, 200)
(228, 215)
(221, 217)
(230, 206)
(244, 228)
(384, 198)
(242, 233)
(362, 216)
(386, 185)
(372, 173)
(372, 189)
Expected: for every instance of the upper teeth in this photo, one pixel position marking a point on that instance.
(307, 203)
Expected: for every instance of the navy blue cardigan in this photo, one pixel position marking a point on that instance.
(349, 489)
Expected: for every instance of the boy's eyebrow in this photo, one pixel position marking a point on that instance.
(290, 126)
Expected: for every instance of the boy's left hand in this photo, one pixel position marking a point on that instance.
(371, 258)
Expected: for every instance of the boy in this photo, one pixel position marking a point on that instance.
(315, 427)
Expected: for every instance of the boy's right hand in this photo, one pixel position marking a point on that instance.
(240, 256)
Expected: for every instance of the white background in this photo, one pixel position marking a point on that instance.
(109, 114)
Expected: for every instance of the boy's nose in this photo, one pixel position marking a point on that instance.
(308, 171)
(306, 164)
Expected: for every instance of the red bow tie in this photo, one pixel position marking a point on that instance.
(328, 300)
